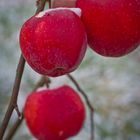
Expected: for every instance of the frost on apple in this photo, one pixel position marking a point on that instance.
(54, 42)
(77, 11)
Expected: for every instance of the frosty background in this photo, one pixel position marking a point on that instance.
(112, 84)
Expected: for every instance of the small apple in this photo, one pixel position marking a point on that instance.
(54, 114)
(113, 26)
(54, 42)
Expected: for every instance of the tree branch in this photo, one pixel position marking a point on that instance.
(19, 121)
(87, 102)
(19, 73)
(13, 101)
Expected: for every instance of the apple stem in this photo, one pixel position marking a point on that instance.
(17, 111)
(50, 4)
(87, 102)
(15, 92)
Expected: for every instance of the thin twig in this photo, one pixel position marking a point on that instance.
(19, 121)
(47, 81)
(40, 6)
(87, 102)
(19, 73)
(14, 128)
(13, 101)
(17, 110)
(92, 124)
(50, 4)
(39, 84)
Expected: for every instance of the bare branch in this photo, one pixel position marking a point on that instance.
(39, 84)
(13, 130)
(87, 102)
(40, 6)
(47, 81)
(20, 69)
(17, 110)
(13, 100)
(19, 121)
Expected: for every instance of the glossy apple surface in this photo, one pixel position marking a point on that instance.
(113, 26)
(54, 42)
(54, 114)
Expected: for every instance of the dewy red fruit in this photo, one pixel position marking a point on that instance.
(113, 26)
(54, 42)
(54, 114)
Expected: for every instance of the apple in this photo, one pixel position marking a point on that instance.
(54, 114)
(54, 42)
(113, 26)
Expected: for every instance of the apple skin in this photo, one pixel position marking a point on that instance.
(113, 26)
(54, 114)
(55, 43)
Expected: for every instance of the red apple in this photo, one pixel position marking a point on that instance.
(113, 26)
(54, 114)
(54, 42)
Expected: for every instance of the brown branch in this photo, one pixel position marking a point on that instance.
(13, 101)
(50, 3)
(19, 73)
(19, 121)
(17, 111)
(87, 102)
(40, 83)
(47, 81)
(13, 130)
(40, 6)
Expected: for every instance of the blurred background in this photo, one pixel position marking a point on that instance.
(112, 84)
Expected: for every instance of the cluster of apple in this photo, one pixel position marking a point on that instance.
(54, 43)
